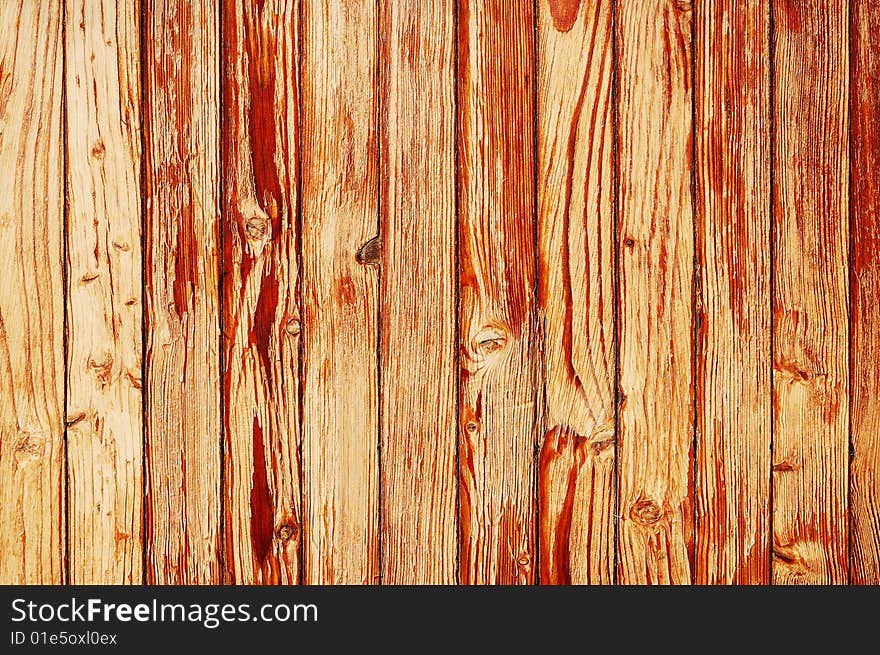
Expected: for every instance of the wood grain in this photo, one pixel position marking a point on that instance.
(732, 382)
(575, 116)
(655, 533)
(181, 124)
(864, 497)
(498, 315)
(810, 298)
(104, 303)
(260, 308)
(340, 292)
(418, 364)
(31, 295)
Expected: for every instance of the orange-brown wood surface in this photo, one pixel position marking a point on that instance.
(439, 292)
(864, 106)
(575, 118)
(732, 313)
(810, 293)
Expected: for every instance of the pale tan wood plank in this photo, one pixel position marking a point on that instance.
(655, 534)
(340, 291)
(865, 280)
(811, 288)
(732, 384)
(104, 304)
(577, 486)
(260, 313)
(181, 126)
(31, 294)
(418, 293)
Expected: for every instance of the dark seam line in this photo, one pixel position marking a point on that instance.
(540, 383)
(300, 348)
(457, 286)
(225, 573)
(65, 281)
(379, 124)
(772, 239)
(145, 534)
(852, 289)
(696, 289)
(615, 273)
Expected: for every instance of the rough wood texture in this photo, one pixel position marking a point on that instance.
(655, 243)
(576, 487)
(732, 382)
(340, 292)
(31, 295)
(418, 293)
(498, 332)
(104, 304)
(181, 122)
(865, 280)
(260, 313)
(810, 298)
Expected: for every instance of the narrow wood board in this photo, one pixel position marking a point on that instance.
(31, 295)
(498, 316)
(733, 358)
(340, 291)
(260, 309)
(864, 509)
(655, 242)
(811, 289)
(575, 116)
(181, 134)
(104, 303)
(418, 283)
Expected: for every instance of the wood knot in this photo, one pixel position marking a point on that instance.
(646, 512)
(490, 340)
(286, 531)
(98, 150)
(292, 327)
(102, 369)
(629, 242)
(784, 466)
(472, 427)
(256, 227)
(369, 253)
(524, 559)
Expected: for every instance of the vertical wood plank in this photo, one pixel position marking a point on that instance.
(260, 312)
(418, 293)
(655, 534)
(865, 281)
(498, 317)
(810, 298)
(181, 76)
(732, 131)
(576, 276)
(31, 295)
(340, 292)
(104, 304)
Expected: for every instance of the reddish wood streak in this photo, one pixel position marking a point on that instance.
(262, 528)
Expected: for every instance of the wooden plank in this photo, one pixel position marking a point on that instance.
(340, 292)
(31, 295)
(865, 289)
(810, 297)
(498, 314)
(732, 383)
(417, 327)
(104, 304)
(260, 308)
(181, 120)
(655, 533)
(577, 486)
